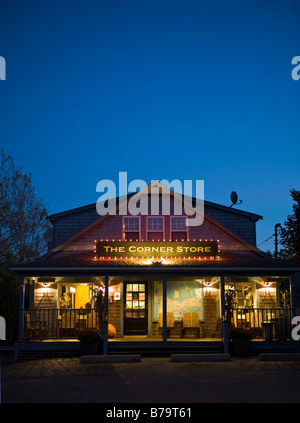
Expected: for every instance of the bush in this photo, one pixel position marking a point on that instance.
(89, 336)
(240, 335)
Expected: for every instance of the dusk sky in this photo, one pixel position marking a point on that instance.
(188, 90)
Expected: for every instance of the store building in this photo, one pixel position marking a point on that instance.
(166, 284)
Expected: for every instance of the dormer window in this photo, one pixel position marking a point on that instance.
(179, 230)
(131, 228)
(155, 228)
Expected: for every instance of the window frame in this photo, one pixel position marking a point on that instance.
(133, 230)
(179, 230)
(149, 231)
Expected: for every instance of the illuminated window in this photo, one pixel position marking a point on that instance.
(131, 228)
(131, 224)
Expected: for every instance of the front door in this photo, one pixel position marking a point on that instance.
(136, 314)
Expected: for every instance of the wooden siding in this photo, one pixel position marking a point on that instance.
(68, 224)
(242, 225)
(111, 229)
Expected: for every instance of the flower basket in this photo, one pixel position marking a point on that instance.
(241, 341)
(91, 341)
(240, 335)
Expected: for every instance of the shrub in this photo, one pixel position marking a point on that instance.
(89, 336)
(240, 334)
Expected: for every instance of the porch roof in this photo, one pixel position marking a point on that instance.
(84, 260)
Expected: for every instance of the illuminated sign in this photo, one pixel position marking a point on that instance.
(128, 249)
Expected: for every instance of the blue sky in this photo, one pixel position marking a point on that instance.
(197, 90)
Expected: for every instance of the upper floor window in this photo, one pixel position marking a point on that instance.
(131, 228)
(179, 230)
(155, 223)
(155, 228)
(178, 223)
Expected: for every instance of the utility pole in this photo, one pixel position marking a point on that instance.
(276, 240)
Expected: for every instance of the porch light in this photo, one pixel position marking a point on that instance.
(44, 285)
(45, 289)
(267, 287)
(207, 288)
(157, 262)
(148, 261)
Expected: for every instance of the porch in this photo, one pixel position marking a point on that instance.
(151, 314)
(268, 324)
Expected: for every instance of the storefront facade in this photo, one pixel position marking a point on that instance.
(163, 281)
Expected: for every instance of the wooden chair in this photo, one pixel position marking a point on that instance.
(170, 322)
(68, 324)
(68, 320)
(190, 323)
(257, 319)
(92, 320)
(33, 327)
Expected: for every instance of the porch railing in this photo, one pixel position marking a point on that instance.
(57, 323)
(264, 323)
(67, 323)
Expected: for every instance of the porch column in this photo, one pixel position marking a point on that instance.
(223, 297)
(224, 322)
(165, 330)
(122, 305)
(105, 323)
(21, 308)
(294, 281)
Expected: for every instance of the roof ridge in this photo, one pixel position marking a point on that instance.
(75, 210)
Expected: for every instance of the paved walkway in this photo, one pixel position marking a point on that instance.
(153, 380)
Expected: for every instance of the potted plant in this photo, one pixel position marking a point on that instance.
(230, 303)
(241, 341)
(91, 340)
(99, 306)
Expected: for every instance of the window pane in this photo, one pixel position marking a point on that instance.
(178, 224)
(155, 224)
(131, 224)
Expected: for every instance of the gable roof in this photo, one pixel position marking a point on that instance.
(250, 259)
(92, 206)
(145, 190)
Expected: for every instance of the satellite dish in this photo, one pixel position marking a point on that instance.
(234, 198)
